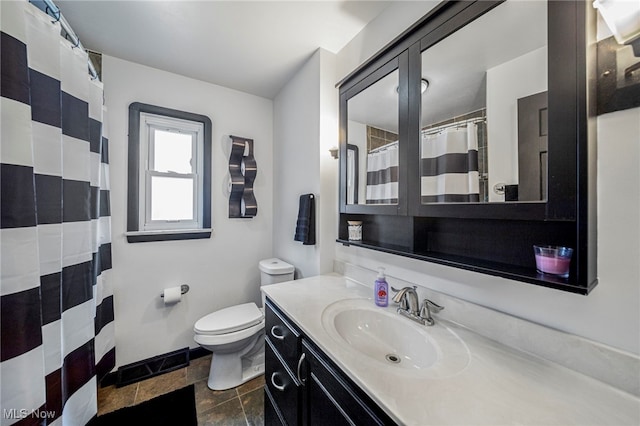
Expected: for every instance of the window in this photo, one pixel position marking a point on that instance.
(169, 174)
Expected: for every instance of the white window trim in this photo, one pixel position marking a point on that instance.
(148, 123)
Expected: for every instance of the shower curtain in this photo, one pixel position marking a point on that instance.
(382, 175)
(449, 165)
(57, 329)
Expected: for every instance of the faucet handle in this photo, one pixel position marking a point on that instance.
(433, 307)
(403, 289)
(425, 311)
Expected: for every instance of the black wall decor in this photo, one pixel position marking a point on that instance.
(242, 169)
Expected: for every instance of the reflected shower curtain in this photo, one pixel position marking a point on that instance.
(57, 304)
(382, 175)
(449, 165)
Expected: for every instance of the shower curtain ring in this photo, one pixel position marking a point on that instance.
(53, 14)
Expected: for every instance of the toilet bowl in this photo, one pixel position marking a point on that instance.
(235, 334)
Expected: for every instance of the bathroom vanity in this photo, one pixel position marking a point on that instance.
(321, 370)
(303, 386)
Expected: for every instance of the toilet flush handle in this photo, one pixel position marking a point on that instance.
(275, 329)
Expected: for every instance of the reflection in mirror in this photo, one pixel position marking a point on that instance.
(372, 128)
(352, 173)
(481, 139)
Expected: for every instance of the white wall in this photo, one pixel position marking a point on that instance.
(305, 127)
(611, 313)
(506, 83)
(222, 270)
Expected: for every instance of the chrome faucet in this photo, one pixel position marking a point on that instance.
(409, 307)
(408, 300)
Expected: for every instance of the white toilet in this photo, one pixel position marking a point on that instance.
(235, 334)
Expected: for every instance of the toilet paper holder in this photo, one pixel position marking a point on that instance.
(184, 288)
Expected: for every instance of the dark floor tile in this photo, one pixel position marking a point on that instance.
(226, 414)
(198, 369)
(206, 398)
(251, 385)
(253, 405)
(159, 385)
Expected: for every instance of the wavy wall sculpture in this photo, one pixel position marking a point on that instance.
(242, 170)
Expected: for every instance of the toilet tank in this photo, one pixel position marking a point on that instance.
(274, 271)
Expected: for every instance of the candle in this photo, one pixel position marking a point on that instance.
(553, 260)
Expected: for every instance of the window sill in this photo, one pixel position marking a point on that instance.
(168, 235)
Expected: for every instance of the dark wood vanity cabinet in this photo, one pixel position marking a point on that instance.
(282, 352)
(330, 398)
(308, 388)
(401, 206)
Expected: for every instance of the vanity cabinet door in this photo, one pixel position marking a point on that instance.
(330, 398)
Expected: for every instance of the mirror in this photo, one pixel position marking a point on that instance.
(483, 111)
(353, 179)
(372, 143)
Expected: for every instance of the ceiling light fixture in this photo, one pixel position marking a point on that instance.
(623, 19)
(424, 83)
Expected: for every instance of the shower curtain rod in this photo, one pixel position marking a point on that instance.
(436, 129)
(49, 7)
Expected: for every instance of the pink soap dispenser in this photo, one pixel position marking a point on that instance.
(381, 289)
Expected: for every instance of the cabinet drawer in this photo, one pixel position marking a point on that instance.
(271, 413)
(284, 337)
(282, 387)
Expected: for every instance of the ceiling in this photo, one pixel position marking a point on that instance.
(457, 66)
(251, 46)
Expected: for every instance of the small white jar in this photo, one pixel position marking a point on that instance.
(355, 230)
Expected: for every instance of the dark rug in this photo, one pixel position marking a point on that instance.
(177, 408)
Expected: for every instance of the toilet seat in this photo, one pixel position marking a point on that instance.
(223, 339)
(229, 320)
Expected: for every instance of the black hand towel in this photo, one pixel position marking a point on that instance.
(306, 224)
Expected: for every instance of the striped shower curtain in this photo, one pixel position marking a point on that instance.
(57, 304)
(449, 165)
(382, 175)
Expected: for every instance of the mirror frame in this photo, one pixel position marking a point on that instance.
(398, 63)
(571, 202)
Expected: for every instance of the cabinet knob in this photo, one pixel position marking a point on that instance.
(300, 379)
(277, 332)
(275, 385)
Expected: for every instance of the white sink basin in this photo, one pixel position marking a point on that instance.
(393, 341)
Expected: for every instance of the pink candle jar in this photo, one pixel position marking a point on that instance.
(553, 260)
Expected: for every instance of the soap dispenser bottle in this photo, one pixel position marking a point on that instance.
(381, 289)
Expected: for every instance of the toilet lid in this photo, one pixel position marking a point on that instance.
(229, 319)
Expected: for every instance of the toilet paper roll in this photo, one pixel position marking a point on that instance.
(172, 295)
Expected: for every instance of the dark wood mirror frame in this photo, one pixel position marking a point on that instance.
(491, 238)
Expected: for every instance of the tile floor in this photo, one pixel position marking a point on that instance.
(243, 405)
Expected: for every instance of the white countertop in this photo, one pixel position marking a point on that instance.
(499, 385)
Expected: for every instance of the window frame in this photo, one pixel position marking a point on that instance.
(143, 119)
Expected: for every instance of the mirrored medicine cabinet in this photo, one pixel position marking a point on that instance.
(470, 138)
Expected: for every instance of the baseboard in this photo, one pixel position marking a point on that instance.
(151, 367)
(144, 369)
(198, 352)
